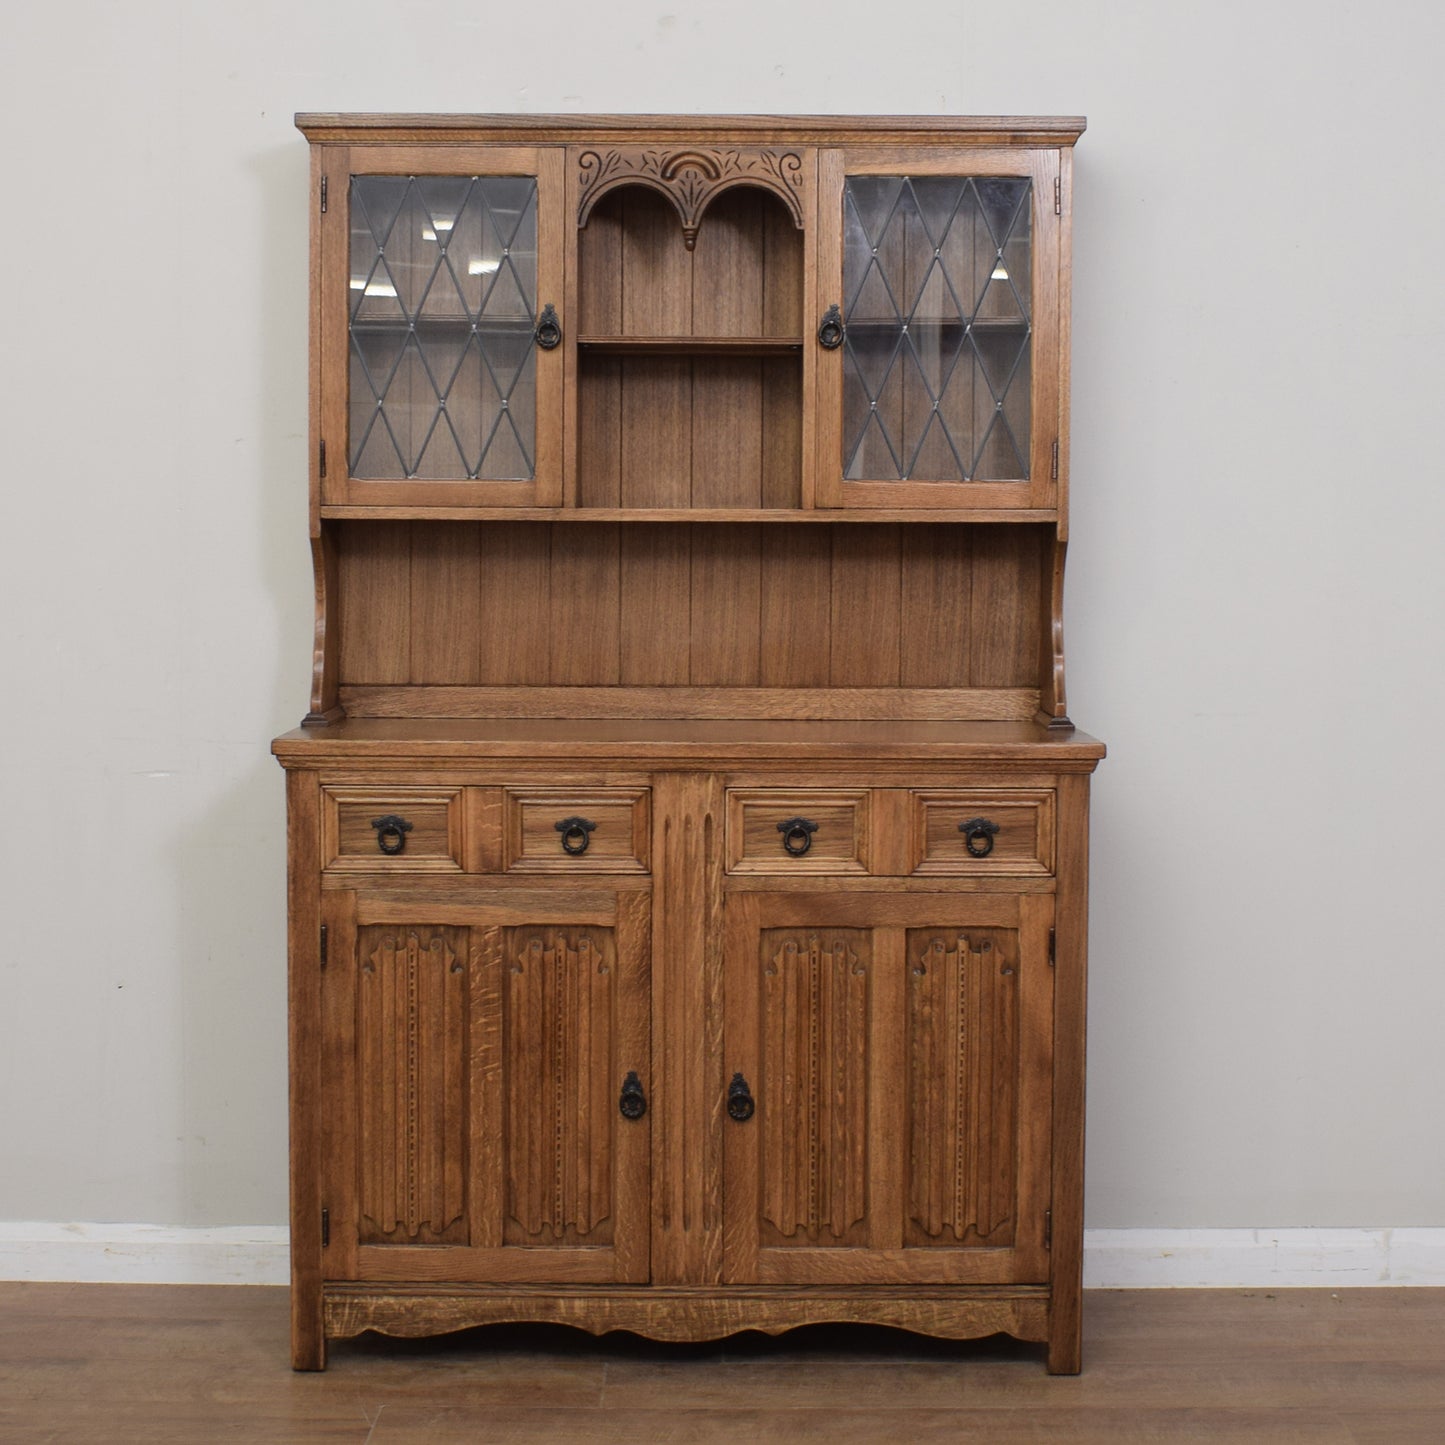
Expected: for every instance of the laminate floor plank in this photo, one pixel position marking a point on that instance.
(116, 1364)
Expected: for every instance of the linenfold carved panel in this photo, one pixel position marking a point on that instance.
(411, 1026)
(963, 1084)
(814, 1096)
(561, 1091)
(690, 178)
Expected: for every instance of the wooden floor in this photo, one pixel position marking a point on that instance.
(159, 1363)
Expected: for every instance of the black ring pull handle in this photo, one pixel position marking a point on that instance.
(830, 330)
(548, 334)
(740, 1100)
(797, 835)
(978, 836)
(632, 1102)
(576, 834)
(391, 833)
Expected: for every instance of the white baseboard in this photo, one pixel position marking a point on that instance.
(1262, 1258)
(1113, 1258)
(145, 1254)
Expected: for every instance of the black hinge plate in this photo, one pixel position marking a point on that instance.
(1048, 1229)
(323, 945)
(325, 1228)
(1052, 937)
(321, 457)
(323, 195)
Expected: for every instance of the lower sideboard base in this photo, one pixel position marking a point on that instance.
(688, 1314)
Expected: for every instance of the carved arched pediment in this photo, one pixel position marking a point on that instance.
(690, 178)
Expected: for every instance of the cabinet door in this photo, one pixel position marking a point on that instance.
(477, 1055)
(897, 1050)
(942, 386)
(442, 386)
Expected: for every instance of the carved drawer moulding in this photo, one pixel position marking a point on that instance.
(690, 178)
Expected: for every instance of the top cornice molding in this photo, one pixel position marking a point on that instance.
(995, 130)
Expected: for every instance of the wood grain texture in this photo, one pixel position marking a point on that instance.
(431, 830)
(687, 1030)
(558, 1062)
(1066, 1147)
(305, 1035)
(683, 1315)
(620, 840)
(411, 1038)
(839, 843)
(963, 1085)
(875, 606)
(814, 1083)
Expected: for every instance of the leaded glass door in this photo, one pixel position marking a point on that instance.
(939, 375)
(441, 357)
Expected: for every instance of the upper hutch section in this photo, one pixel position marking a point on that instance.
(689, 318)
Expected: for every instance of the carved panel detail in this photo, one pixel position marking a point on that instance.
(963, 1083)
(813, 1103)
(560, 1078)
(411, 1026)
(690, 178)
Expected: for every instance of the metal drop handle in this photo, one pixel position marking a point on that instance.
(830, 330)
(740, 1100)
(978, 836)
(548, 334)
(797, 835)
(576, 834)
(391, 832)
(632, 1102)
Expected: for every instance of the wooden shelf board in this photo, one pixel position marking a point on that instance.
(691, 345)
(345, 512)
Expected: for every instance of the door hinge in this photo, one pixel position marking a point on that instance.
(1048, 1229)
(1058, 196)
(325, 1228)
(321, 457)
(323, 945)
(1052, 949)
(323, 194)
(1053, 469)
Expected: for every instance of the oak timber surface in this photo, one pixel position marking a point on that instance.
(164, 1363)
(676, 739)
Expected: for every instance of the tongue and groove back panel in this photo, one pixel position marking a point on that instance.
(687, 605)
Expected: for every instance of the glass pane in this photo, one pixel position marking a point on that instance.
(443, 296)
(937, 281)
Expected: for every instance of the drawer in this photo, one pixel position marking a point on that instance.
(983, 830)
(576, 830)
(797, 830)
(405, 830)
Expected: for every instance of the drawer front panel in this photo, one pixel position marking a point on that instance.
(407, 830)
(576, 830)
(983, 831)
(794, 830)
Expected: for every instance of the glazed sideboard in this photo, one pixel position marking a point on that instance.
(688, 839)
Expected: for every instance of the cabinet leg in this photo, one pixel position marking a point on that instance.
(308, 1330)
(1065, 1344)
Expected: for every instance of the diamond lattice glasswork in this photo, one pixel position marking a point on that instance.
(936, 283)
(443, 293)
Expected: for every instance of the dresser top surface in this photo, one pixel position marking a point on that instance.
(683, 741)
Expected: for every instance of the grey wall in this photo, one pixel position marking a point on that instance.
(1254, 593)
